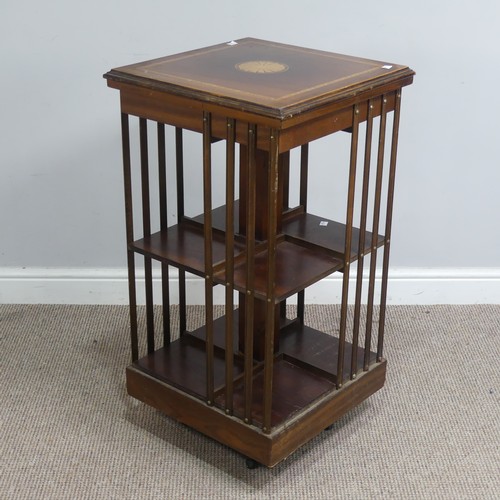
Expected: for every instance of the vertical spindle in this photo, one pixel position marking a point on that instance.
(347, 247)
(229, 344)
(162, 177)
(273, 182)
(146, 229)
(207, 234)
(129, 223)
(179, 164)
(304, 165)
(375, 229)
(388, 225)
(250, 265)
(361, 241)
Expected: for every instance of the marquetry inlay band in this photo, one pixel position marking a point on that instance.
(262, 67)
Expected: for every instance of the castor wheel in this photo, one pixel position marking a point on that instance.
(251, 464)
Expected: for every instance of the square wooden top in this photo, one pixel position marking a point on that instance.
(268, 78)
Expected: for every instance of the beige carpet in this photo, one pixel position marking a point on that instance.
(68, 430)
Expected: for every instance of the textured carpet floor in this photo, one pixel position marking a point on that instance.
(68, 430)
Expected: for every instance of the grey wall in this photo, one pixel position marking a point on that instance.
(60, 164)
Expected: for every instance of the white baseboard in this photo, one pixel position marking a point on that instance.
(109, 286)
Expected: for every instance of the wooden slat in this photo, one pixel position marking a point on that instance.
(229, 344)
(162, 175)
(271, 274)
(162, 178)
(304, 165)
(250, 266)
(388, 226)
(207, 210)
(284, 182)
(304, 174)
(347, 251)
(375, 228)
(179, 164)
(284, 197)
(361, 240)
(129, 224)
(146, 229)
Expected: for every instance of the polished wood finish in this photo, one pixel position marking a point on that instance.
(298, 79)
(254, 379)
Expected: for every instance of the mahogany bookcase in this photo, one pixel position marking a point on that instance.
(254, 379)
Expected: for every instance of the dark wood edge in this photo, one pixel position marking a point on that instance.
(118, 80)
(403, 77)
(347, 97)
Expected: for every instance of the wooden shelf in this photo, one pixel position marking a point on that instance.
(297, 267)
(300, 343)
(294, 388)
(317, 350)
(182, 246)
(182, 364)
(325, 234)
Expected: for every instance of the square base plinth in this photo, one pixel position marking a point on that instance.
(266, 448)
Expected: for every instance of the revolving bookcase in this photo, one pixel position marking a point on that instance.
(254, 379)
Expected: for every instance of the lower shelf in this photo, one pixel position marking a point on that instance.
(183, 364)
(305, 369)
(300, 343)
(267, 449)
(294, 388)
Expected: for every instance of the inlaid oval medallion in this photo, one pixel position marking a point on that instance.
(262, 67)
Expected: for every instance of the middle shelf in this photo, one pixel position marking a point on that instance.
(309, 248)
